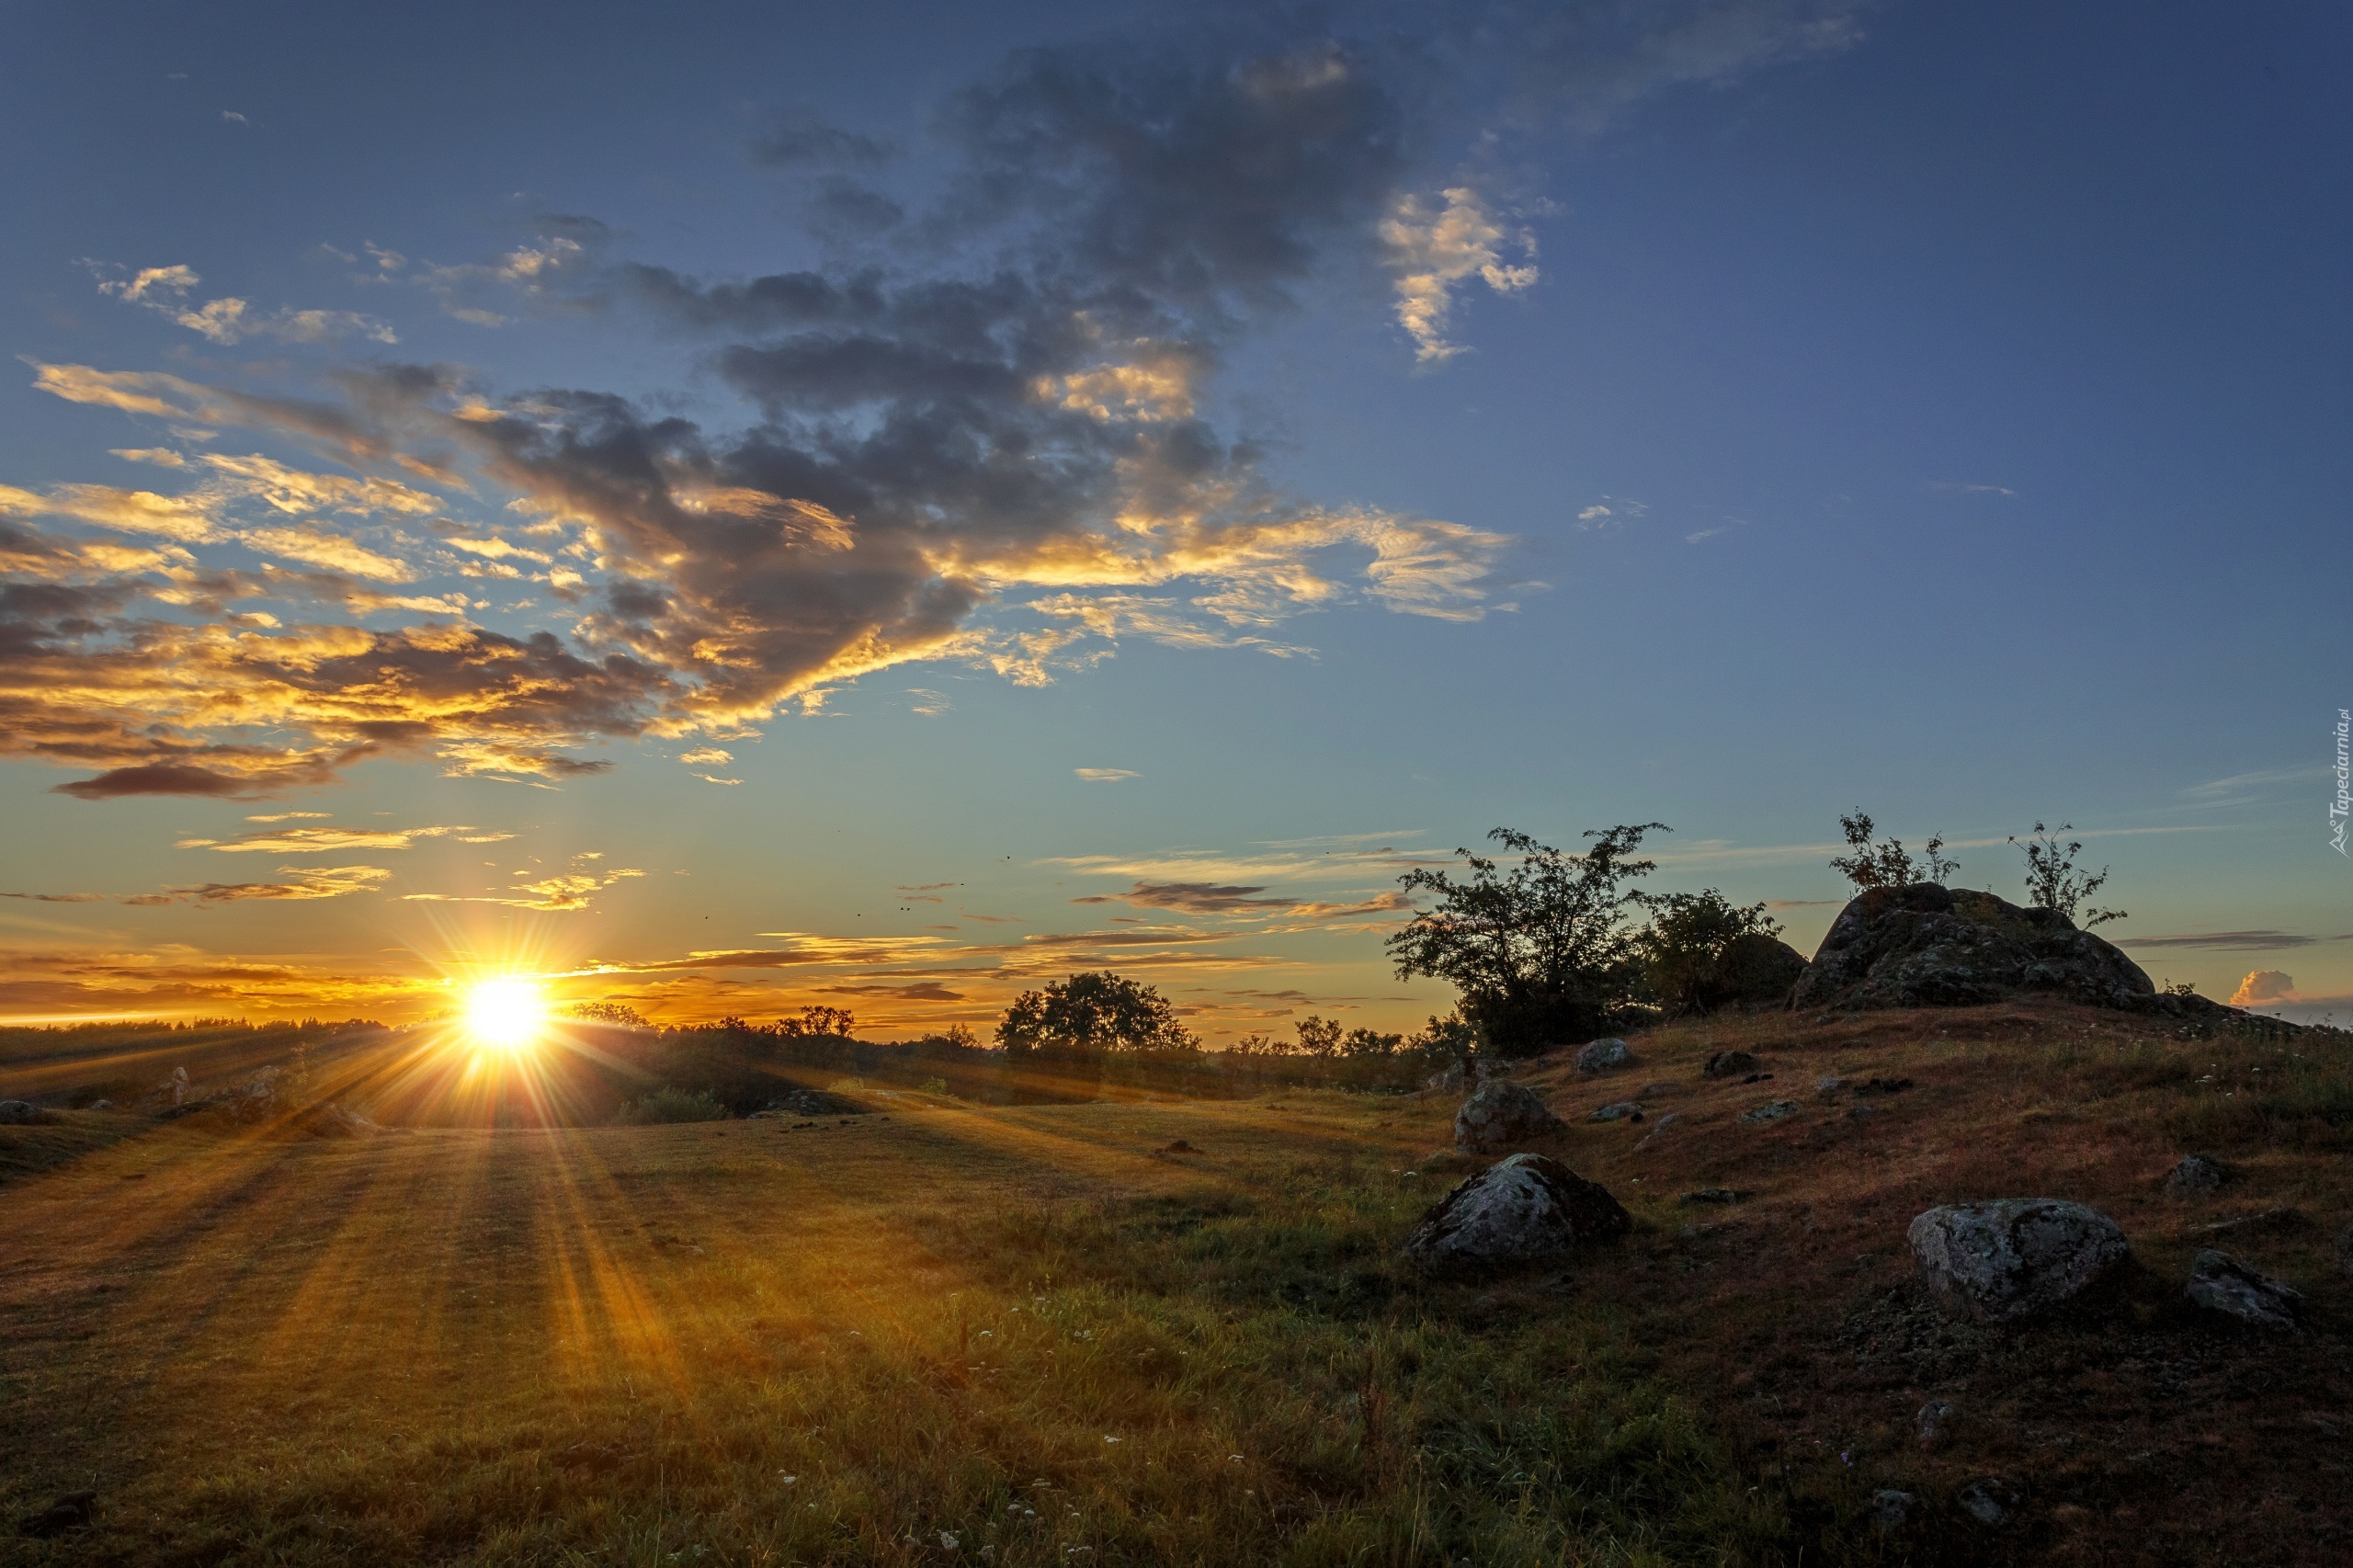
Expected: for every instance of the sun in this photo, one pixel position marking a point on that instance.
(510, 1013)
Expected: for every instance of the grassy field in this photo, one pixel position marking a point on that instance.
(1028, 1336)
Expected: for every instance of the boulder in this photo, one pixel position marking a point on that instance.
(1760, 970)
(328, 1119)
(1449, 1080)
(24, 1113)
(1890, 1508)
(2014, 1256)
(1621, 1111)
(1729, 1064)
(1990, 1501)
(1935, 1422)
(2197, 1176)
(1523, 1209)
(1503, 1115)
(2221, 1283)
(1603, 1056)
(1773, 1110)
(1928, 946)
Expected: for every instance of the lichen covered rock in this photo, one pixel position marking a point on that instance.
(2006, 1259)
(1503, 1115)
(1524, 1210)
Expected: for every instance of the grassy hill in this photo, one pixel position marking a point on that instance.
(1027, 1335)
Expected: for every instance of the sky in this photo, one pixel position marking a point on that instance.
(742, 507)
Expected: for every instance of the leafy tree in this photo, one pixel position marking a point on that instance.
(1449, 1039)
(1096, 1011)
(962, 1037)
(1318, 1036)
(1690, 949)
(1362, 1044)
(2052, 881)
(1542, 953)
(620, 1014)
(1888, 865)
(819, 1021)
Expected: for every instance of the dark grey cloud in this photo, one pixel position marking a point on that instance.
(1191, 898)
(799, 139)
(2231, 941)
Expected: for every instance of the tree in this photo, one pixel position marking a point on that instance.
(1096, 1011)
(1318, 1036)
(1542, 953)
(617, 1013)
(2052, 881)
(1261, 1045)
(1361, 1043)
(1888, 865)
(1690, 949)
(1449, 1039)
(819, 1021)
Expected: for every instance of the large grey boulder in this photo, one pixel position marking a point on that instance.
(2016, 1255)
(1523, 1209)
(1928, 945)
(1503, 1115)
(2221, 1283)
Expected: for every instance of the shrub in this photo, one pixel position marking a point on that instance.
(2052, 881)
(673, 1105)
(1701, 951)
(1887, 865)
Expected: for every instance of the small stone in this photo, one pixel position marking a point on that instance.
(1935, 1421)
(1179, 1147)
(1652, 1091)
(2221, 1283)
(1826, 1087)
(1729, 1064)
(24, 1113)
(1603, 1056)
(1774, 1110)
(1711, 1195)
(1989, 1500)
(1889, 1508)
(1659, 1127)
(1622, 1111)
(1882, 1086)
(2195, 1177)
(70, 1511)
(1861, 1112)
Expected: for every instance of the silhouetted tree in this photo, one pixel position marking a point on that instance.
(619, 1014)
(1542, 953)
(1317, 1036)
(1095, 1011)
(2052, 881)
(820, 1021)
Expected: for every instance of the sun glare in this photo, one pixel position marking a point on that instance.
(509, 1014)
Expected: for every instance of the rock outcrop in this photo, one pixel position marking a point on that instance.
(1928, 945)
(2014, 1256)
(1757, 971)
(1524, 1210)
(1503, 1115)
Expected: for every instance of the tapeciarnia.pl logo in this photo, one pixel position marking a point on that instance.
(2342, 807)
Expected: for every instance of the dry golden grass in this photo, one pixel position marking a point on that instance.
(1022, 1337)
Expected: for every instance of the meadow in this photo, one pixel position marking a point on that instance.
(1040, 1334)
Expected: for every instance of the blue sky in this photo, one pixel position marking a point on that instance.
(1198, 470)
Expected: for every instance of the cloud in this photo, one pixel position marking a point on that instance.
(1105, 775)
(1191, 898)
(58, 897)
(333, 881)
(229, 320)
(993, 451)
(1958, 487)
(2263, 988)
(1434, 247)
(333, 840)
(2231, 941)
(568, 891)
